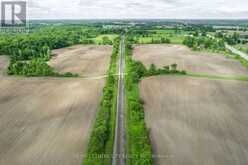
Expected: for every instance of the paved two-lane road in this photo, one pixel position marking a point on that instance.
(120, 134)
(236, 51)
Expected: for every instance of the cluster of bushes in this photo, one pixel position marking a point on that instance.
(139, 70)
(100, 146)
(199, 43)
(172, 69)
(35, 67)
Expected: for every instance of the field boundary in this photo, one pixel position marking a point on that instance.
(100, 145)
(139, 149)
(215, 77)
(206, 76)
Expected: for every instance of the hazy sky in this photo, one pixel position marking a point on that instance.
(86, 9)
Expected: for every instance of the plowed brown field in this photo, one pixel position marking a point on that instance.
(47, 121)
(195, 62)
(89, 60)
(196, 121)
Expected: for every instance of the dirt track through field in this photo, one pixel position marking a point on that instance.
(86, 60)
(195, 62)
(46, 121)
(197, 121)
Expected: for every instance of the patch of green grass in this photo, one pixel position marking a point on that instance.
(215, 77)
(242, 47)
(174, 38)
(99, 39)
(177, 39)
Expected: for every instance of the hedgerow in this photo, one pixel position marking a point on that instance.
(139, 147)
(100, 146)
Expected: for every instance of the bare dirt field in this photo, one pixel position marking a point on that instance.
(196, 121)
(46, 121)
(195, 62)
(86, 60)
(4, 63)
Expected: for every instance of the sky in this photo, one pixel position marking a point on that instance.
(146, 9)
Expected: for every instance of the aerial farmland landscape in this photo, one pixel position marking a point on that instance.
(124, 83)
(49, 119)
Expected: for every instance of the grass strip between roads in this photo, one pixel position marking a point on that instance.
(100, 146)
